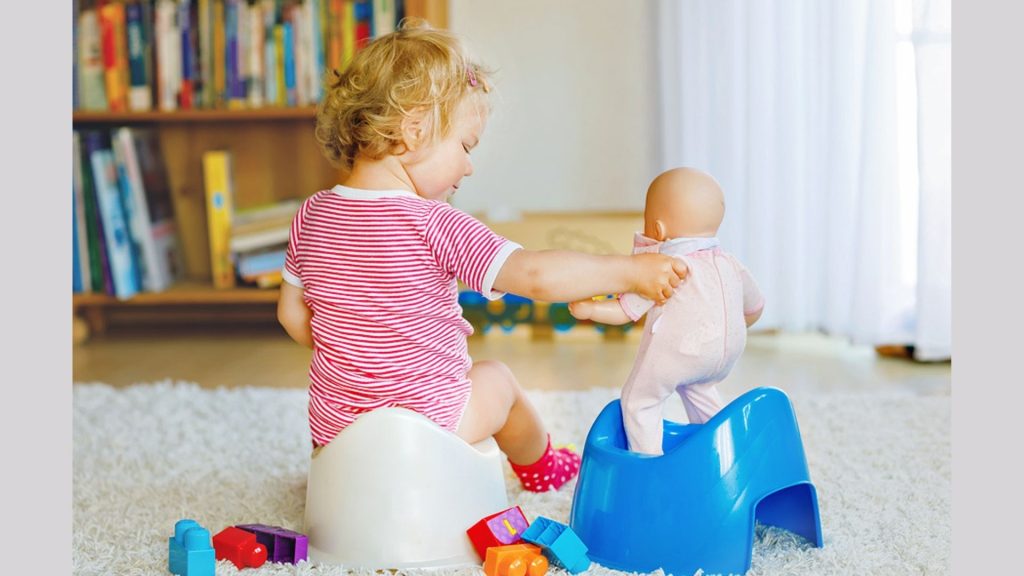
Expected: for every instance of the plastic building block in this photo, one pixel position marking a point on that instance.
(500, 529)
(694, 508)
(189, 552)
(283, 545)
(240, 547)
(515, 560)
(559, 543)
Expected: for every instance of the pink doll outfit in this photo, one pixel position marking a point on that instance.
(691, 342)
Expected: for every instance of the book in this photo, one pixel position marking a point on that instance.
(152, 215)
(92, 91)
(115, 57)
(384, 17)
(81, 229)
(115, 226)
(102, 282)
(288, 42)
(187, 85)
(77, 282)
(219, 201)
(256, 49)
(140, 97)
(168, 54)
(206, 56)
(262, 227)
(252, 264)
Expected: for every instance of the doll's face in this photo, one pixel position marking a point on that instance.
(683, 202)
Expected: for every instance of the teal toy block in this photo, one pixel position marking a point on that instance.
(190, 551)
(559, 543)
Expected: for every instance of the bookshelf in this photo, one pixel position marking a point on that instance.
(275, 158)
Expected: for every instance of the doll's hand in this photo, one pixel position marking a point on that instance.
(582, 309)
(657, 276)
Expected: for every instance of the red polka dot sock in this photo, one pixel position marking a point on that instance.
(556, 467)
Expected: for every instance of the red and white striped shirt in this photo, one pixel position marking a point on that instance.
(378, 270)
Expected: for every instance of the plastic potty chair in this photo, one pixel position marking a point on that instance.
(694, 507)
(395, 490)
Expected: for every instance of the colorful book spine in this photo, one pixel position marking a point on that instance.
(156, 271)
(219, 203)
(220, 82)
(185, 91)
(139, 96)
(205, 23)
(288, 35)
(91, 72)
(168, 48)
(115, 225)
(256, 49)
(102, 281)
(348, 29)
(270, 62)
(81, 215)
(318, 57)
(281, 88)
(77, 284)
(112, 32)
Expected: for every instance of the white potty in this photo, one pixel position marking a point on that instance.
(395, 490)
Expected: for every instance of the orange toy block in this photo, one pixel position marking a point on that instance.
(515, 560)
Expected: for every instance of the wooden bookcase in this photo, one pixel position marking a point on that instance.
(275, 157)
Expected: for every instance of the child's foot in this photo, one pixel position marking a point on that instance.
(556, 467)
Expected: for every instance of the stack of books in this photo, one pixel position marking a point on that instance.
(125, 238)
(140, 55)
(247, 246)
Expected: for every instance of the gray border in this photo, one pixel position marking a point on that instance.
(987, 378)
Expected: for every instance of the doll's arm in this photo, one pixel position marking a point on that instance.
(604, 311)
(294, 315)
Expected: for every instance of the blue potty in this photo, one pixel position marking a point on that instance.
(694, 507)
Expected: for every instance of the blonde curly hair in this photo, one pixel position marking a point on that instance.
(414, 70)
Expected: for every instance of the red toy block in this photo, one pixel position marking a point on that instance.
(240, 547)
(500, 529)
(515, 560)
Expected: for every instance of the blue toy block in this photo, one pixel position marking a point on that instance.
(559, 543)
(695, 506)
(190, 551)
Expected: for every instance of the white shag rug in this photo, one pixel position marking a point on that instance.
(148, 455)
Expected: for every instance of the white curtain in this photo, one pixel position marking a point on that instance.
(792, 105)
(932, 50)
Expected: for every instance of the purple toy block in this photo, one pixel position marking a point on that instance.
(282, 545)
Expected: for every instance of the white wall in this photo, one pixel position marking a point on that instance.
(574, 109)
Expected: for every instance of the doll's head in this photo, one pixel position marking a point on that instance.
(411, 83)
(683, 202)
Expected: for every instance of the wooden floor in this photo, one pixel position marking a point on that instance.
(262, 355)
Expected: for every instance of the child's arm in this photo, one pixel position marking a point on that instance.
(604, 311)
(294, 315)
(566, 276)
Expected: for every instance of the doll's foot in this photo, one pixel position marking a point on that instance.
(556, 467)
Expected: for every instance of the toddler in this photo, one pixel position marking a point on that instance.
(372, 264)
(691, 342)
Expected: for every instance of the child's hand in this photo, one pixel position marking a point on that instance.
(582, 309)
(657, 276)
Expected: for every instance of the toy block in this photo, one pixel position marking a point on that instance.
(515, 560)
(283, 545)
(559, 543)
(189, 552)
(499, 529)
(240, 547)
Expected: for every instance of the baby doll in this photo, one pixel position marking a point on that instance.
(690, 343)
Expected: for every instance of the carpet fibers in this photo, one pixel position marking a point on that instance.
(148, 455)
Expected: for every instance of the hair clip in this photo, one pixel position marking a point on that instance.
(472, 76)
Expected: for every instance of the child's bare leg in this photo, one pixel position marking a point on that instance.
(498, 407)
